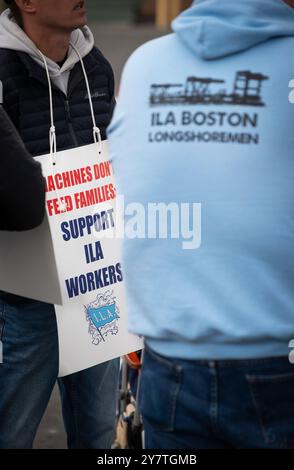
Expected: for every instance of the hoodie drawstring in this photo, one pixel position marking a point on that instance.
(96, 130)
(52, 132)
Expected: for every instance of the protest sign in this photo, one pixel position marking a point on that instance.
(86, 254)
(81, 207)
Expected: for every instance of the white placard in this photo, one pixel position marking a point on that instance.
(86, 257)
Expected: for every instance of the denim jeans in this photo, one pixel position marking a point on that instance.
(217, 404)
(29, 372)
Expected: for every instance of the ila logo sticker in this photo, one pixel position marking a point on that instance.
(102, 316)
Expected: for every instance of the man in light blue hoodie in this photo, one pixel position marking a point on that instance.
(204, 117)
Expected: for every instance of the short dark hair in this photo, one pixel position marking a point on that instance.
(15, 11)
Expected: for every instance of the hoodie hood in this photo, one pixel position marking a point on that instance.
(14, 38)
(218, 28)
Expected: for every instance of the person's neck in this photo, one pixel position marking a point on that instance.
(52, 44)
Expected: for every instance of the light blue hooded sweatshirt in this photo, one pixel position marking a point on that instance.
(204, 116)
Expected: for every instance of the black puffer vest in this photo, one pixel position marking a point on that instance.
(26, 100)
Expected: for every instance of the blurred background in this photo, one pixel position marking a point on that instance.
(119, 27)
